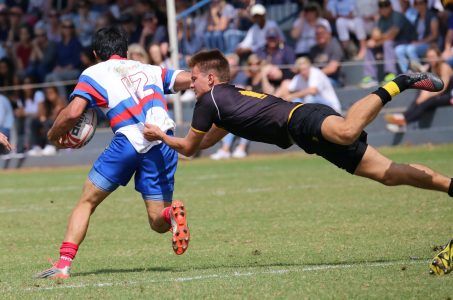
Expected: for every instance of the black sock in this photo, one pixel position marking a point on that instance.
(383, 94)
(402, 82)
(450, 189)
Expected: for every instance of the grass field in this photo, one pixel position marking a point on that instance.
(285, 226)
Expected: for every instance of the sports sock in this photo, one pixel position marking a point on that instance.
(392, 88)
(450, 189)
(67, 253)
(166, 214)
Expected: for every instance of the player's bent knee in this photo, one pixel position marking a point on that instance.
(348, 135)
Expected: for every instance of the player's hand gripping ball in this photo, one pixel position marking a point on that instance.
(82, 132)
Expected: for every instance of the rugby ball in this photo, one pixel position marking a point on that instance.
(82, 132)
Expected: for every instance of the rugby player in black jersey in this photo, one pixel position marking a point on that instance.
(316, 128)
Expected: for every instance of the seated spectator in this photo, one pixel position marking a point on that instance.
(85, 22)
(392, 29)
(189, 43)
(239, 79)
(447, 55)
(4, 24)
(42, 56)
(156, 58)
(152, 32)
(68, 57)
(219, 17)
(327, 54)
(426, 101)
(304, 28)
(240, 22)
(347, 20)
(256, 35)
(368, 11)
(276, 52)
(408, 10)
(47, 113)
(134, 35)
(427, 28)
(15, 14)
(23, 49)
(87, 58)
(52, 25)
(6, 120)
(310, 85)
(31, 99)
(138, 53)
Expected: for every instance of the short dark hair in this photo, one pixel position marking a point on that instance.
(110, 41)
(212, 60)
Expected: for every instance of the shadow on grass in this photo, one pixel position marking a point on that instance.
(251, 265)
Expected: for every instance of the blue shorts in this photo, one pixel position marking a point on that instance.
(154, 170)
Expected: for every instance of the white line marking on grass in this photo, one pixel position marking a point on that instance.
(226, 276)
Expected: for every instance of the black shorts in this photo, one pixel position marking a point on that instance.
(305, 130)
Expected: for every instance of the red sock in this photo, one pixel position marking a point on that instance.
(67, 253)
(166, 214)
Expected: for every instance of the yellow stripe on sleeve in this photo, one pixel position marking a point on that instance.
(198, 131)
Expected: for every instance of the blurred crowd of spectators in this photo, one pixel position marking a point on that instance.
(48, 41)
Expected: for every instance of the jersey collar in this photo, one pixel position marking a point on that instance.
(116, 56)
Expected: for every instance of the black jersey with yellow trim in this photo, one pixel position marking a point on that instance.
(255, 116)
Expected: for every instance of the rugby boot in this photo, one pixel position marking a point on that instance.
(179, 228)
(55, 273)
(442, 263)
(420, 81)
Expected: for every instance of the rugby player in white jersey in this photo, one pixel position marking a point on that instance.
(130, 94)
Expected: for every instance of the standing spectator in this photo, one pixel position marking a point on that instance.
(6, 120)
(256, 35)
(426, 101)
(85, 22)
(156, 58)
(304, 28)
(23, 49)
(427, 28)
(392, 29)
(42, 55)
(327, 54)
(347, 20)
(310, 85)
(276, 52)
(47, 113)
(68, 57)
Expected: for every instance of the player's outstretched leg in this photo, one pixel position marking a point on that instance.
(180, 230)
(442, 263)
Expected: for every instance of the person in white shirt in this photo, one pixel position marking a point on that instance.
(310, 85)
(256, 35)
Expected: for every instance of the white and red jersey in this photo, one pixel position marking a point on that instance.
(130, 94)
